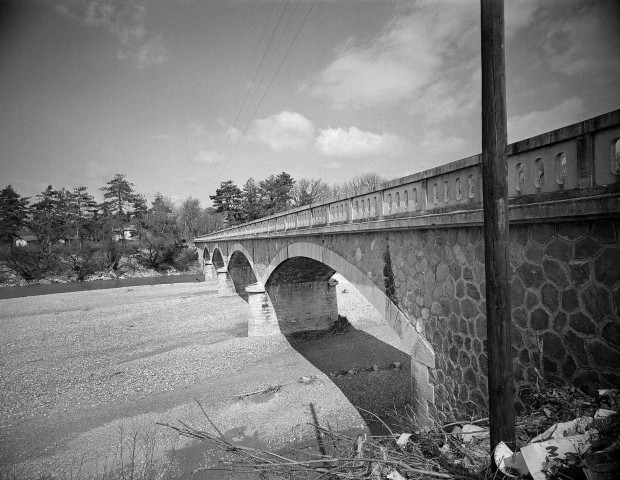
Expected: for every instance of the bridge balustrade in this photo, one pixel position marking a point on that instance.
(583, 155)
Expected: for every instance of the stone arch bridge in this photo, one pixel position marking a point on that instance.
(414, 248)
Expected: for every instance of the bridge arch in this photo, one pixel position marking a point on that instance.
(313, 262)
(241, 270)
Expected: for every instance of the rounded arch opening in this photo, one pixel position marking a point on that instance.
(206, 256)
(241, 273)
(217, 259)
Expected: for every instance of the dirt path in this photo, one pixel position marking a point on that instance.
(77, 369)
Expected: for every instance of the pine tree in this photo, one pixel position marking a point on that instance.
(251, 205)
(13, 214)
(121, 196)
(227, 200)
(50, 219)
(81, 207)
(276, 193)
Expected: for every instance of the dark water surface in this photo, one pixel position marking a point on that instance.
(46, 289)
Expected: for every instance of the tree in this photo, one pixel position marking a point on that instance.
(190, 216)
(227, 200)
(310, 190)
(13, 214)
(81, 207)
(251, 205)
(275, 192)
(211, 221)
(51, 219)
(160, 217)
(121, 196)
(363, 180)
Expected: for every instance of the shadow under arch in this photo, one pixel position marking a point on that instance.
(241, 272)
(306, 262)
(217, 259)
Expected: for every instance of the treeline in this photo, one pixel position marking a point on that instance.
(66, 231)
(278, 193)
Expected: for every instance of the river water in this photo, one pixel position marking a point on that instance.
(49, 288)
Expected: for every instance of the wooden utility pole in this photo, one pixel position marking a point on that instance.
(495, 203)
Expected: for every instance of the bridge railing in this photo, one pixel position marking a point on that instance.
(580, 156)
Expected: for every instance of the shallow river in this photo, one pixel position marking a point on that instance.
(50, 288)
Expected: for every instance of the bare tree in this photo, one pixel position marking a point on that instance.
(358, 182)
(310, 190)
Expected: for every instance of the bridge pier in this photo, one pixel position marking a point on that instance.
(225, 286)
(263, 321)
(305, 306)
(209, 271)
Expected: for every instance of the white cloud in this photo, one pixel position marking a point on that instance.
(126, 20)
(530, 124)
(283, 131)
(414, 51)
(208, 157)
(355, 142)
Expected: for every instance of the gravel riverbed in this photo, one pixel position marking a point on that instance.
(77, 368)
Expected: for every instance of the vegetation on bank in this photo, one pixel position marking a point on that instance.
(66, 233)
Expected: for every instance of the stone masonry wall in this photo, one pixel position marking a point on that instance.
(565, 300)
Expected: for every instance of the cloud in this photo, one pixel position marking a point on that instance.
(585, 41)
(414, 51)
(530, 124)
(208, 157)
(283, 131)
(354, 142)
(126, 20)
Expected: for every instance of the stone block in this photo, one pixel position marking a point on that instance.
(422, 352)
(581, 323)
(532, 275)
(602, 355)
(534, 253)
(570, 300)
(611, 333)
(607, 267)
(604, 231)
(587, 248)
(553, 346)
(539, 320)
(596, 301)
(569, 367)
(560, 321)
(559, 249)
(556, 273)
(550, 297)
(577, 346)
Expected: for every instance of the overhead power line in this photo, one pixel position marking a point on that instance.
(270, 83)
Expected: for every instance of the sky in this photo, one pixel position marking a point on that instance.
(180, 95)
